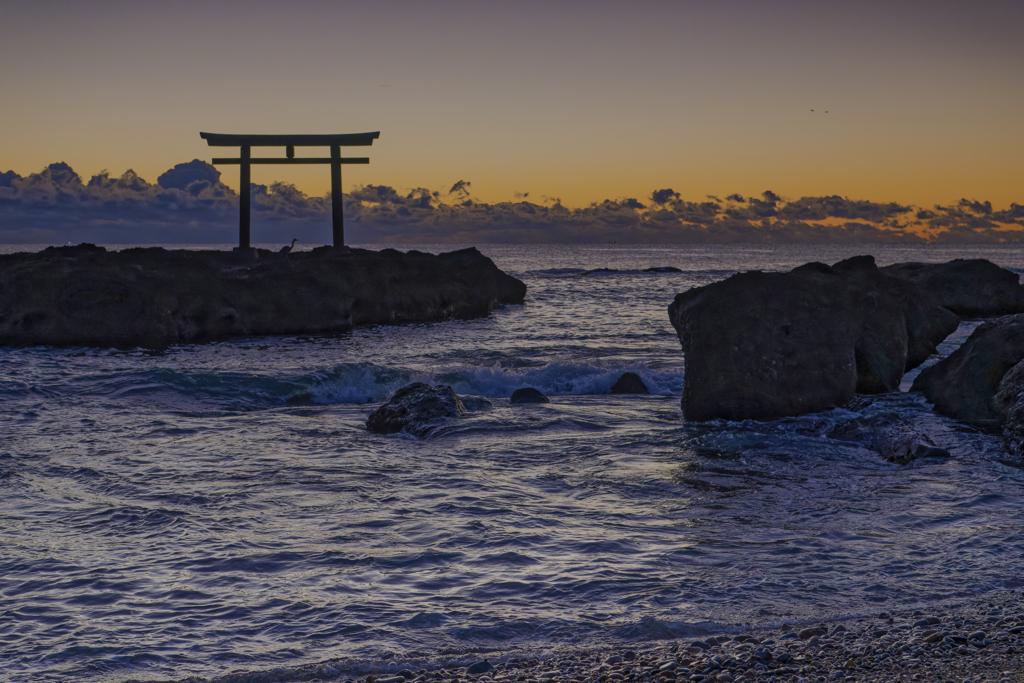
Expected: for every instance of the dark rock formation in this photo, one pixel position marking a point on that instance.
(767, 345)
(963, 384)
(630, 383)
(418, 409)
(757, 346)
(927, 321)
(890, 436)
(973, 288)
(86, 296)
(1009, 404)
(528, 395)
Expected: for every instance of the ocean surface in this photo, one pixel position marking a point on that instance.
(222, 508)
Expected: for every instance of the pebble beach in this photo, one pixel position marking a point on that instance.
(978, 642)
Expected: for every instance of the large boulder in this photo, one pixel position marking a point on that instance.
(1009, 404)
(418, 409)
(769, 345)
(964, 384)
(527, 395)
(630, 383)
(973, 288)
(764, 346)
(86, 296)
(927, 320)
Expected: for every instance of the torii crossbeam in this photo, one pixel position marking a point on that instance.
(245, 143)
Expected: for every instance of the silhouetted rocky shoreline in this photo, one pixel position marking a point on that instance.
(768, 345)
(153, 297)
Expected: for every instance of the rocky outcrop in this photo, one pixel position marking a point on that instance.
(86, 296)
(418, 409)
(926, 321)
(1009, 405)
(890, 436)
(629, 383)
(527, 395)
(964, 384)
(973, 288)
(769, 345)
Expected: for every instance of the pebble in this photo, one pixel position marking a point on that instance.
(478, 668)
(808, 633)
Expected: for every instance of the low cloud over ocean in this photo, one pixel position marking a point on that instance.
(189, 204)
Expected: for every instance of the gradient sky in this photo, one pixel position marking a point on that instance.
(577, 100)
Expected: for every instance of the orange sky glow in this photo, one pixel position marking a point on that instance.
(576, 101)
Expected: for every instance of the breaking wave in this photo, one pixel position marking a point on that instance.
(369, 383)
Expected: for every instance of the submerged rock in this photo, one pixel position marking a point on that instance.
(769, 345)
(475, 404)
(890, 436)
(528, 395)
(973, 288)
(630, 383)
(418, 409)
(964, 384)
(86, 296)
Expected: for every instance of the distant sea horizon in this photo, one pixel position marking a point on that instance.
(971, 247)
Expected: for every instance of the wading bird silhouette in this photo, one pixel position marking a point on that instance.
(286, 250)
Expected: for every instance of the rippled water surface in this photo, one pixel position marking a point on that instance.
(222, 508)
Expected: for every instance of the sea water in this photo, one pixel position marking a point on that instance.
(221, 508)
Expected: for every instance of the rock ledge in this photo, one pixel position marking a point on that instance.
(152, 297)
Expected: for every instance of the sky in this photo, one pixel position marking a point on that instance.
(568, 104)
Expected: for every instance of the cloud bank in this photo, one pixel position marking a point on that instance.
(189, 204)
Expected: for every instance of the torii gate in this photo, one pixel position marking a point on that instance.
(290, 142)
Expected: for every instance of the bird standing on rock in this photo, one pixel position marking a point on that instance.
(287, 250)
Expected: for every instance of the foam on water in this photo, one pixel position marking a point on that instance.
(355, 383)
(361, 384)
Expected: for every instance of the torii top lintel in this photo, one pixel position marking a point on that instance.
(306, 140)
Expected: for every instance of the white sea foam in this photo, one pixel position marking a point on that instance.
(369, 383)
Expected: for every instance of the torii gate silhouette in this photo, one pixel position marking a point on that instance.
(245, 143)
